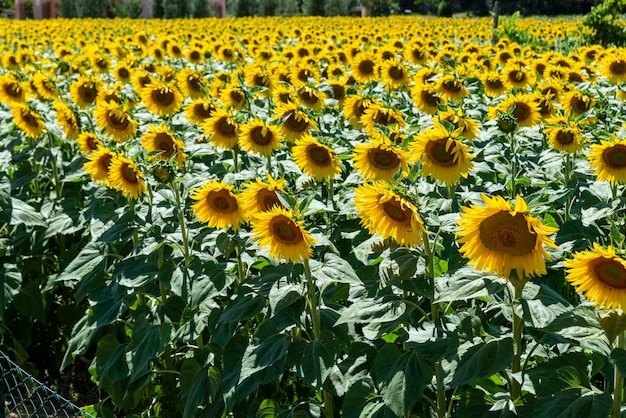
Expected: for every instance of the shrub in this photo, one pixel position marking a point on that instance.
(605, 23)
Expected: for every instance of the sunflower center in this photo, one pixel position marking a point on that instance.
(610, 272)
(521, 111)
(260, 135)
(439, 153)
(193, 82)
(430, 99)
(506, 234)
(297, 122)
(618, 67)
(163, 96)
(615, 156)
(339, 91)
(494, 83)
(318, 155)
(105, 161)
(117, 119)
(383, 159)
(92, 143)
(517, 76)
(366, 67)
(564, 137)
(395, 211)
(384, 118)
(396, 73)
(221, 201)
(225, 127)
(285, 230)
(129, 174)
(165, 143)
(267, 199)
(260, 80)
(13, 89)
(194, 56)
(309, 97)
(452, 86)
(237, 96)
(203, 110)
(123, 73)
(88, 92)
(102, 63)
(30, 120)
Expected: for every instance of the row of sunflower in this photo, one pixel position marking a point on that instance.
(321, 215)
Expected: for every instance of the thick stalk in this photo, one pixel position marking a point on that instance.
(518, 325)
(181, 220)
(240, 267)
(235, 152)
(567, 170)
(315, 318)
(513, 150)
(430, 271)
(618, 383)
(55, 169)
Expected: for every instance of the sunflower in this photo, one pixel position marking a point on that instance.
(600, 275)
(260, 196)
(608, 159)
(379, 114)
(388, 213)
(613, 68)
(426, 99)
(12, 90)
(160, 139)
(379, 160)
(45, 86)
(564, 135)
(123, 175)
(517, 76)
(577, 102)
(217, 205)
(364, 67)
(191, 83)
(354, 106)
(521, 106)
(494, 84)
(285, 237)
(113, 120)
(260, 138)
(310, 97)
(88, 142)
(28, 120)
(444, 157)
(463, 126)
(450, 88)
(67, 119)
(123, 72)
(98, 164)
(284, 94)
(302, 73)
(161, 98)
(426, 75)
(294, 121)
(260, 78)
(503, 240)
(395, 74)
(141, 79)
(222, 128)
(199, 110)
(233, 95)
(315, 159)
(84, 91)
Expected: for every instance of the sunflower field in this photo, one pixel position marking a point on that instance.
(315, 217)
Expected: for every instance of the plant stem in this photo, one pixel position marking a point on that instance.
(567, 174)
(513, 162)
(181, 220)
(55, 169)
(618, 382)
(518, 325)
(235, 152)
(240, 267)
(430, 271)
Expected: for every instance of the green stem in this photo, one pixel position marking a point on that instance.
(316, 319)
(518, 325)
(235, 152)
(131, 203)
(331, 193)
(181, 220)
(618, 383)
(430, 271)
(240, 267)
(566, 174)
(513, 162)
(55, 169)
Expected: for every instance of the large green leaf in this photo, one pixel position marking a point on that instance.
(11, 282)
(316, 363)
(148, 342)
(21, 213)
(542, 305)
(112, 361)
(89, 258)
(467, 283)
(373, 311)
(334, 269)
(480, 360)
(619, 358)
(573, 403)
(198, 385)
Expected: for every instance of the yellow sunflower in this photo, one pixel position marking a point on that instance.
(67, 119)
(600, 275)
(364, 67)
(123, 71)
(608, 159)
(199, 110)
(521, 106)
(259, 137)
(160, 139)
(388, 214)
(395, 74)
(123, 175)
(426, 98)
(450, 88)
(45, 86)
(222, 129)
(379, 160)
(260, 196)
(12, 90)
(28, 120)
(494, 84)
(315, 159)
(577, 102)
(261, 78)
(443, 156)
(161, 98)
(463, 126)
(114, 121)
(88, 142)
(294, 122)
(354, 106)
(233, 95)
(503, 240)
(98, 164)
(217, 205)
(84, 91)
(613, 68)
(285, 237)
(310, 97)
(517, 76)
(564, 135)
(191, 83)
(381, 114)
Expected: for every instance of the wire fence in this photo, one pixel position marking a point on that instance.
(24, 396)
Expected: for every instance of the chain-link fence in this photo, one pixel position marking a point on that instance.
(24, 396)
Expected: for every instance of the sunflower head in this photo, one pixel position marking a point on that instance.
(165, 144)
(115, 121)
(260, 196)
(380, 160)
(315, 159)
(28, 120)
(259, 137)
(608, 160)
(503, 239)
(217, 205)
(161, 98)
(124, 175)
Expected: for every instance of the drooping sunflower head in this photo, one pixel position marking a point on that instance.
(503, 239)
(380, 114)
(388, 213)
(608, 160)
(12, 89)
(217, 205)
(88, 142)
(426, 98)
(494, 84)
(260, 78)
(125, 176)
(67, 119)
(115, 121)
(28, 120)
(521, 107)
(233, 95)
(310, 97)
(160, 139)
(443, 156)
(260, 196)
(284, 237)
(354, 108)
(161, 98)
(222, 129)
(577, 102)
(294, 121)
(84, 91)
(191, 83)
(600, 275)
(259, 137)
(463, 126)
(98, 164)
(199, 110)
(44, 85)
(315, 159)
(379, 160)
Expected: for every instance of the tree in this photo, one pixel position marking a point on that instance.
(313, 7)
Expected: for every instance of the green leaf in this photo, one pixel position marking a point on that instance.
(89, 258)
(82, 333)
(11, 281)
(613, 324)
(316, 363)
(373, 311)
(21, 213)
(481, 360)
(467, 283)
(29, 301)
(334, 269)
(111, 361)
(243, 307)
(573, 403)
(619, 358)
(361, 400)
(148, 342)
(198, 385)
(542, 305)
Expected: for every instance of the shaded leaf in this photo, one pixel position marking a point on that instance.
(482, 360)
